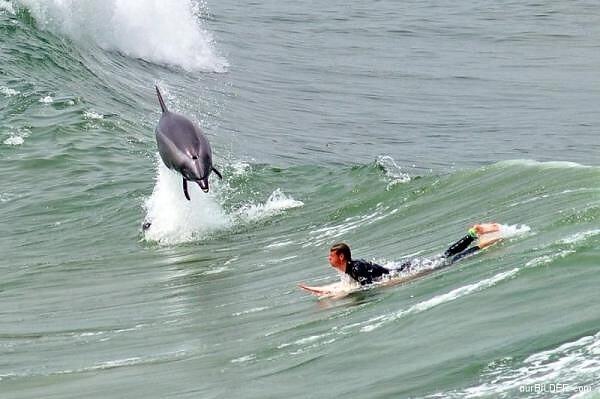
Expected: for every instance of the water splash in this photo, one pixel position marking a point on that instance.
(392, 171)
(172, 219)
(514, 230)
(46, 100)
(91, 115)
(17, 137)
(7, 6)
(276, 204)
(7, 91)
(176, 220)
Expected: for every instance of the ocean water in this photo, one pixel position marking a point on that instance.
(391, 125)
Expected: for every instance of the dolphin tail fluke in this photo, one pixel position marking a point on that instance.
(185, 190)
(217, 173)
(161, 101)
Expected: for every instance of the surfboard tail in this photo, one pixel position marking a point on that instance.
(161, 101)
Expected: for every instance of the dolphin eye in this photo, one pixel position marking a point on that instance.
(194, 157)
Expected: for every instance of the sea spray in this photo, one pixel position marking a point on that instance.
(275, 204)
(164, 32)
(173, 219)
(392, 170)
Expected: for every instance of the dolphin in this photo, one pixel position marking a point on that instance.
(184, 148)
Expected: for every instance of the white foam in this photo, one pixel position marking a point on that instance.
(346, 284)
(92, 115)
(46, 100)
(7, 91)
(240, 168)
(244, 359)
(17, 137)
(14, 140)
(175, 219)
(279, 244)
(544, 165)
(439, 299)
(101, 365)
(392, 171)
(571, 368)
(582, 236)
(160, 31)
(545, 259)
(253, 310)
(310, 342)
(217, 270)
(275, 205)
(325, 234)
(570, 240)
(5, 197)
(7, 6)
(515, 230)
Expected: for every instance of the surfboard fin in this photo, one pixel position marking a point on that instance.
(185, 190)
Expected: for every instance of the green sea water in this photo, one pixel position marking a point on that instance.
(323, 134)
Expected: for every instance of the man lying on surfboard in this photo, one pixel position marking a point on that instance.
(365, 272)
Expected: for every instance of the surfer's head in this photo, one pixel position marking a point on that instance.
(339, 255)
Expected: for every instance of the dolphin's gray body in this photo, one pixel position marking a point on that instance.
(184, 148)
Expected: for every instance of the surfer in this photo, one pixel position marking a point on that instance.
(364, 272)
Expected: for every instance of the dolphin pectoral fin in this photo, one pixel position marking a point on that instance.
(217, 173)
(185, 190)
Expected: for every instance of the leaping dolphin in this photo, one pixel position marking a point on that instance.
(184, 148)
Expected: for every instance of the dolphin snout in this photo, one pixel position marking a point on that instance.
(203, 185)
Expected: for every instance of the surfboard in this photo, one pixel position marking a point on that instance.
(328, 289)
(339, 289)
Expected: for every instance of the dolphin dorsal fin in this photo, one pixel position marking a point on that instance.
(161, 101)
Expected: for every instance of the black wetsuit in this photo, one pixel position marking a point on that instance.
(459, 250)
(366, 272)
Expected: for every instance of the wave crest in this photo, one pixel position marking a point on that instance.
(164, 32)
